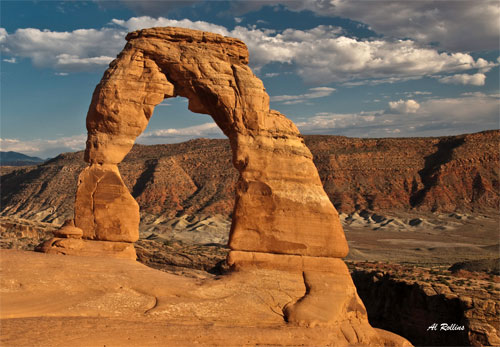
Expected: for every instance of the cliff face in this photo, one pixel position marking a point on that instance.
(430, 308)
(458, 173)
(186, 178)
(430, 174)
(44, 192)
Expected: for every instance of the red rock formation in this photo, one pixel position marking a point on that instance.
(104, 208)
(410, 306)
(277, 210)
(282, 219)
(444, 174)
(68, 230)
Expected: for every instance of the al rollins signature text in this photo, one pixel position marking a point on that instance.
(445, 327)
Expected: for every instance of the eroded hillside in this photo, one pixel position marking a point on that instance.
(458, 173)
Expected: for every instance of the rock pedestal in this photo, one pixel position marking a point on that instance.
(68, 241)
(104, 208)
(88, 248)
(282, 220)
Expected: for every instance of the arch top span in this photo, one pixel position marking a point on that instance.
(210, 70)
(280, 204)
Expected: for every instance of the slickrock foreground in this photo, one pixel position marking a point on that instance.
(54, 300)
(284, 227)
(428, 295)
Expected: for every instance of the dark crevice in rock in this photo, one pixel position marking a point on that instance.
(144, 178)
(433, 163)
(405, 309)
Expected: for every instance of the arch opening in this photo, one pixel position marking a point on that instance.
(173, 122)
(176, 204)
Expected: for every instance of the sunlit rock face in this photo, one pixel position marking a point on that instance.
(283, 222)
(280, 207)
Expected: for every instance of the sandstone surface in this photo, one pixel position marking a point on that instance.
(79, 247)
(54, 300)
(404, 299)
(68, 230)
(408, 299)
(104, 208)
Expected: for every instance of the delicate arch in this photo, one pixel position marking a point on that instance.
(280, 205)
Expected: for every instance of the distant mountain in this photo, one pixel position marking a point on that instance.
(18, 159)
(442, 174)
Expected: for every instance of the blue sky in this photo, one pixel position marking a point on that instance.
(343, 67)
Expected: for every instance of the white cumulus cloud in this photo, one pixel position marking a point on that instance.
(453, 24)
(404, 106)
(271, 74)
(333, 123)
(435, 117)
(47, 148)
(320, 55)
(3, 35)
(477, 79)
(172, 135)
(44, 148)
(82, 49)
(324, 55)
(136, 23)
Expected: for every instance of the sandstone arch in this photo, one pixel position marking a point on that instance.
(280, 207)
(284, 226)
